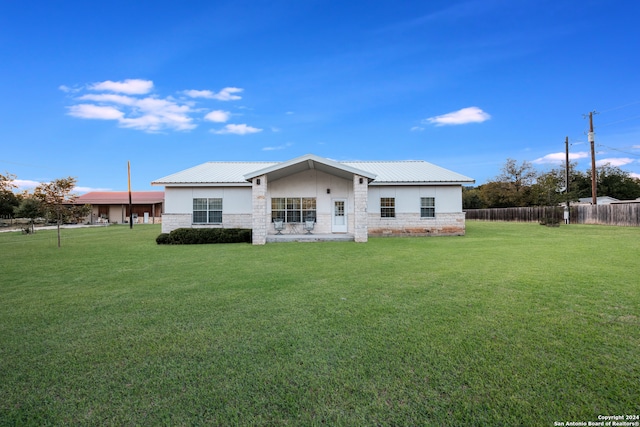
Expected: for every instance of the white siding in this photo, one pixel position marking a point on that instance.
(235, 200)
(448, 198)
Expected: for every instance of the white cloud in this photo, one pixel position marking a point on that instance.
(146, 114)
(127, 102)
(68, 89)
(460, 117)
(24, 184)
(109, 98)
(83, 190)
(218, 116)
(561, 157)
(27, 184)
(226, 94)
(242, 129)
(279, 147)
(128, 86)
(417, 129)
(635, 175)
(98, 112)
(614, 161)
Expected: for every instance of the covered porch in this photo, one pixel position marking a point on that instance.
(332, 197)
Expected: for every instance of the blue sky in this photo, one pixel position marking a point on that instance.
(88, 86)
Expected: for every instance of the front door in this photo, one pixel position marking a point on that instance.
(339, 223)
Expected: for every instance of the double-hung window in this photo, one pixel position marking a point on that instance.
(427, 207)
(207, 211)
(293, 209)
(387, 207)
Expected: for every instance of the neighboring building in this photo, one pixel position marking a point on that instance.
(621, 202)
(113, 206)
(357, 199)
(601, 200)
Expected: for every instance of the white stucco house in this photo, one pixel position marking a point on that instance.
(353, 199)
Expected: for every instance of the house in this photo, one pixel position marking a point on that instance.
(601, 200)
(113, 206)
(354, 199)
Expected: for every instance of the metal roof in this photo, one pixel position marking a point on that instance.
(120, 197)
(409, 171)
(214, 173)
(381, 172)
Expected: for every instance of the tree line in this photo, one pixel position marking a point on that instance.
(52, 201)
(520, 185)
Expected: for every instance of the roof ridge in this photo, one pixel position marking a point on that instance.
(382, 161)
(243, 161)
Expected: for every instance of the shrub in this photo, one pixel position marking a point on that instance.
(195, 236)
(163, 239)
(550, 221)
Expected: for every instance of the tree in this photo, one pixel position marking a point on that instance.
(548, 190)
(78, 212)
(519, 175)
(614, 182)
(57, 200)
(471, 198)
(8, 199)
(30, 207)
(512, 187)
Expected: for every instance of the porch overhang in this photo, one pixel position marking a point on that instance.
(307, 162)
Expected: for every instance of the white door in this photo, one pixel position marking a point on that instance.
(339, 223)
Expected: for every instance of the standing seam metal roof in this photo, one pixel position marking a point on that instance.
(215, 173)
(407, 171)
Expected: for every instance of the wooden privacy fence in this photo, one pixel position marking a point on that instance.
(625, 214)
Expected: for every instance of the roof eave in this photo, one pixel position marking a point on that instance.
(310, 160)
(202, 184)
(378, 183)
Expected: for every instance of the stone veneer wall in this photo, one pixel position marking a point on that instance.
(360, 221)
(259, 210)
(444, 224)
(172, 221)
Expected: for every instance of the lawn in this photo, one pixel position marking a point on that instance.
(512, 324)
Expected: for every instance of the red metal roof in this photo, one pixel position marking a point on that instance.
(121, 198)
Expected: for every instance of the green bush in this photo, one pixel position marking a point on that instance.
(197, 236)
(163, 239)
(550, 221)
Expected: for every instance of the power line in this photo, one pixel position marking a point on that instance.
(621, 106)
(621, 151)
(620, 121)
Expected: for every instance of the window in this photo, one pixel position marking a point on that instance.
(387, 207)
(207, 211)
(293, 209)
(427, 207)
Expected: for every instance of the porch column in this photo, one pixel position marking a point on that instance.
(259, 210)
(360, 220)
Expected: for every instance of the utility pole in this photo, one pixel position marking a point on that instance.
(566, 180)
(130, 205)
(594, 192)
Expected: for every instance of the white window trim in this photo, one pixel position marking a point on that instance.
(424, 207)
(208, 210)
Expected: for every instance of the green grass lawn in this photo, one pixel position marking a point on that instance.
(512, 324)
